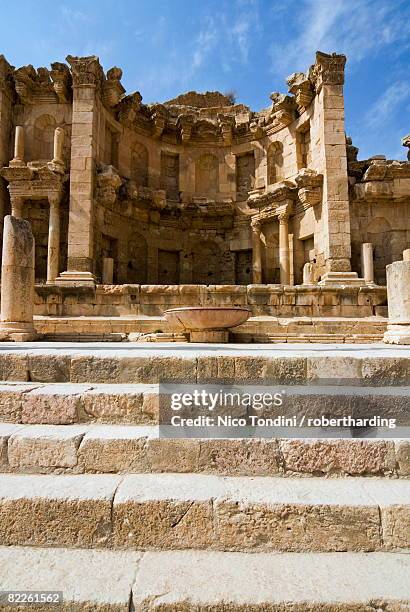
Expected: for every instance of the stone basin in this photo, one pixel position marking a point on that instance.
(207, 323)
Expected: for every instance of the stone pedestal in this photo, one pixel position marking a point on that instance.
(406, 255)
(398, 298)
(309, 273)
(108, 271)
(221, 336)
(350, 279)
(367, 262)
(17, 281)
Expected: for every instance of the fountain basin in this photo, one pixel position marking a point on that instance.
(207, 323)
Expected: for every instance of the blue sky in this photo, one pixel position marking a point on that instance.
(166, 47)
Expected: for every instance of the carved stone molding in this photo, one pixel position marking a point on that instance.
(62, 82)
(129, 107)
(309, 184)
(327, 70)
(108, 184)
(283, 109)
(35, 181)
(112, 88)
(159, 116)
(86, 71)
(186, 124)
(301, 88)
(6, 80)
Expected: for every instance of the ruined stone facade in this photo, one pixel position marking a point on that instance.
(198, 190)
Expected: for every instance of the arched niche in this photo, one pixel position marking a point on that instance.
(275, 162)
(206, 263)
(139, 164)
(43, 138)
(207, 174)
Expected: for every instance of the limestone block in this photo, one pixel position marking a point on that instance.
(115, 449)
(386, 370)
(44, 510)
(239, 457)
(42, 448)
(338, 456)
(236, 582)
(109, 576)
(148, 369)
(163, 511)
(120, 404)
(49, 368)
(11, 401)
(403, 457)
(52, 404)
(288, 527)
(6, 430)
(276, 369)
(13, 367)
(398, 291)
(173, 455)
(327, 368)
(396, 526)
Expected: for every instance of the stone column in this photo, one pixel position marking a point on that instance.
(18, 159)
(58, 146)
(17, 281)
(284, 262)
(327, 74)
(108, 271)
(406, 255)
(398, 299)
(17, 203)
(6, 100)
(87, 79)
(367, 262)
(256, 253)
(53, 253)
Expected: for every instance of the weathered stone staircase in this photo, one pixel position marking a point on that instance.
(93, 503)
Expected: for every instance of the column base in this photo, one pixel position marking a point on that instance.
(18, 332)
(219, 336)
(397, 334)
(342, 278)
(72, 278)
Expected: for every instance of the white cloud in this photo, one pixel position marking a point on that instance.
(354, 27)
(387, 104)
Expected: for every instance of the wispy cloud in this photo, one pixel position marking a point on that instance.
(354, 27)
(388, 104)
(72, 16)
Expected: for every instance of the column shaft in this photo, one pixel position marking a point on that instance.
(256, 255)
(284, 262)
(53, 253)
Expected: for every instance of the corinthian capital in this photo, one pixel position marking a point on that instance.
(86, 71)
(329, 69)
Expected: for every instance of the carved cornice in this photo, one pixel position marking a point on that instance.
(129, 107)
(301, 88)
(86, 71)
(35, 181)
(274, 196)
(62, 81)
(283, 109)
(309, 184)
(6, 80)
(107, 185)
(159, 117)
(112, 87)
(186, 124)
(327, 70)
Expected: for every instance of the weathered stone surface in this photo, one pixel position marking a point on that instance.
(338, 456)
(120, 404)
(305, 581)
(107, 586)
(41, 448)
(52, 404)
(56, 510)
(115, 449)
(402, 448)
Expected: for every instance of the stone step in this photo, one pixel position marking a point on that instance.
(122, 363)
(172, 511)
(126, 449)
(69, 403)
(182, 580)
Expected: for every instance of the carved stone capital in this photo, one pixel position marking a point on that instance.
(283, 213)
(86, 71)
(283, 109)
(256, 225)
(329, 69)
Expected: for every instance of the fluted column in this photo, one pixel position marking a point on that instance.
(53, 252)
(284, 262)
(256, 253)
